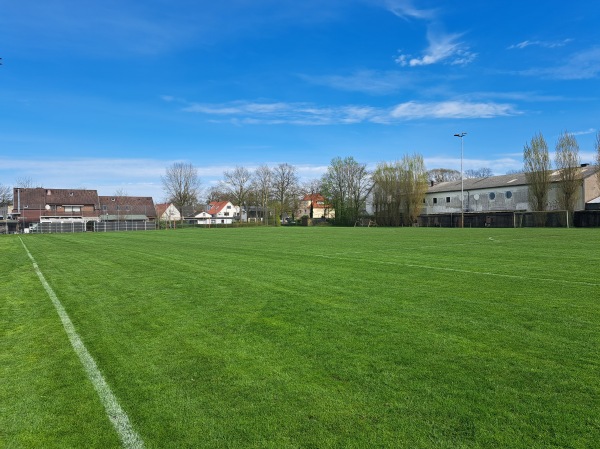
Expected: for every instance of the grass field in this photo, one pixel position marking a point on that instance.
(306, 338)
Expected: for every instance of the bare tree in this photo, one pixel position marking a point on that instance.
(483, 172)
(598, 157)
(568, 164)
(24, 182)
(182, 185)
(537, 172)
(443, 175)
(217, 194)
(346, 185)
(5, 195)
(238, 182)
(262, 184)
(284, 184)
(121, 204)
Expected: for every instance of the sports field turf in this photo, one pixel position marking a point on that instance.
(305, 338)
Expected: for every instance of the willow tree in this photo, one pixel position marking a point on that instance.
(568, 165)
(536, 166)
(413, 187)
(386, 194)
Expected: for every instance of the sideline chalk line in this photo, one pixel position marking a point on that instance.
(116, 415)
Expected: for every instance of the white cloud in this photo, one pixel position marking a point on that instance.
(242, 113)
(583, 133)
(367, 81)
(451, 109)
(538, 43)
(405, 9)
(582, 65)
(498, 166)
(442, 48)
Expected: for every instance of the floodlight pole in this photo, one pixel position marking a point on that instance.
(462, 180)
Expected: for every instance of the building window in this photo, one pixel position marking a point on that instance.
(508, 195)
(73, 209)
(104, 207)
(435, 201)
(447, 199)
(492, 196)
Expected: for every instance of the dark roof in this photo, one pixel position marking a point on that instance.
(39, 197)
(498, 181)
(134, 205)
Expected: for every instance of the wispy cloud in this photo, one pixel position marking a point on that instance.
(443, 47)
(406, 10)
(498, 166)
(538, 43)
(366, 81)
(585, 132)
(248, 113)
(451, 109)
(581, 65)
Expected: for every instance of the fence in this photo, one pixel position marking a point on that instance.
(513, 219)
(90, 226)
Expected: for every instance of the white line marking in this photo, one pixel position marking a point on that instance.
(115, 413)
(458, 270)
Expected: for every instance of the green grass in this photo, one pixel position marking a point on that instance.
(307, 338)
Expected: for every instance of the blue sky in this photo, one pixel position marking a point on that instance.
(106, 94)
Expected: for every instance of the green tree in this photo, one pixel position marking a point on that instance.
(536, 165)
(568, 164)
(346, 185)
(413, 187)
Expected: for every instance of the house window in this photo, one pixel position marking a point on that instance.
(435, 201)
(492, 196)
(226, 214)
(73, 209)
(508, 195)
(228, 207)
(104, 207)
(447, 199)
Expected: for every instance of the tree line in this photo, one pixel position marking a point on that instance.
(538, 171)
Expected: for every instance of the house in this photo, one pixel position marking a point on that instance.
(167, 212)
(203, 218)
(223, 212)
(35, 205)
(315, 205)
(130, 208)
(502, 193)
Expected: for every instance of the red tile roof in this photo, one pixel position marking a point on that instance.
(217, 206)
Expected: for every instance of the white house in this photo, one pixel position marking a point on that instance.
(203, 218)
(223, 212)
(502, 193)
(167, 212)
